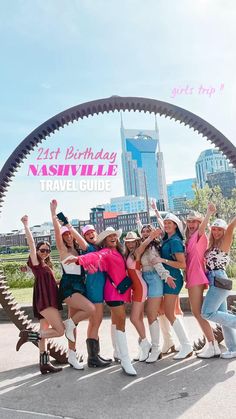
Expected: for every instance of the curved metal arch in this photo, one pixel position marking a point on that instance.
(74, 114)
(110, 105)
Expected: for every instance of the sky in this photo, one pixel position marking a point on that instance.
(56, 54)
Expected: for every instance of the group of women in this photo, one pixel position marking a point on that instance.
(95, 268)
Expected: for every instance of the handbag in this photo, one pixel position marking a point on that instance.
(123, 286)
(224, 283)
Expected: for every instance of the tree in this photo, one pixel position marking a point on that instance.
(225, 206)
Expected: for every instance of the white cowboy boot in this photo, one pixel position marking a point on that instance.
(137, 356)
(124, 354)
(73, 360)
(168, 341)
(155, 353)
(69, 329)
(210, 350)
(145, 347)
(186, 349)
(116, 354)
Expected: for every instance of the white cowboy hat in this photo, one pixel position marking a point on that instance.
(194, 216)
(131, 236)
(176, 220)
(104, 234)
(220, 223)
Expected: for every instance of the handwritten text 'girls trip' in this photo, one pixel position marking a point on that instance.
(201, 90)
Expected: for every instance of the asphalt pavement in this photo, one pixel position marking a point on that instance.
(191, 388)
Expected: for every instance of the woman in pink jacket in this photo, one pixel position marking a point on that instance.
(110, 260)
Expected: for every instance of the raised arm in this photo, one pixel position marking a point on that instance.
(211, 209)
(139, 224)
(158, 215)
(57, 227)
(78, 238)
(228, 237)
(92, 262)
(153, 235)
(30, 240)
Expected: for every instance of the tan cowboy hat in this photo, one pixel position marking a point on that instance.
(176, 220)
(194, 216)
(131, 236)
(104, 234)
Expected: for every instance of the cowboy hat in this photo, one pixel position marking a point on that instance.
(176, 220)
(131, 236)
(219, 223)
(194, 216)
(104, 234)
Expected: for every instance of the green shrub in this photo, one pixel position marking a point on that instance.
(231, 270)
(18, 279)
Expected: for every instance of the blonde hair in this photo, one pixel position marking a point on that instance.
(214, 243)
(186, 231)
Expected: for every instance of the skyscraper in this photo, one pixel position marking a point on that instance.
(179, 191)
(210, 161)
(143, 164)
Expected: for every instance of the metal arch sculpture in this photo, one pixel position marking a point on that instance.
(111, 104)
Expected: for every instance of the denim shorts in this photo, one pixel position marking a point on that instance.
(154, 283)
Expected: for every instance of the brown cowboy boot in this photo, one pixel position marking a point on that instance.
(27, 336)
(45, 364)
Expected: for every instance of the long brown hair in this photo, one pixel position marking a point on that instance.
(47, 260)
(128, 252)
(119, 248)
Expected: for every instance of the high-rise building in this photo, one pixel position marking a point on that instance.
(210, 161)
(131, 204)
(143, 164)
(225, 180)
(179, 192)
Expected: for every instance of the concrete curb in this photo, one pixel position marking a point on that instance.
(184, 301)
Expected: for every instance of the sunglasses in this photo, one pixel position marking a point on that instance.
(45, 250)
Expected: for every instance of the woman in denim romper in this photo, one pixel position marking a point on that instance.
(215, 304)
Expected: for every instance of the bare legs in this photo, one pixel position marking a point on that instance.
(196, 300)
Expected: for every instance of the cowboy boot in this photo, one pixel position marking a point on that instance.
(168, 341)
(101, 357)
(45, 364)
(116, 354)
(186, 349)
(124, 353)
(93, 360)
(27, 336)
(69, 329)
(210, 350)
(145, 347)
(74, 362)
(155, 353)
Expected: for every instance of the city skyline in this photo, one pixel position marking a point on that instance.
(70, 59)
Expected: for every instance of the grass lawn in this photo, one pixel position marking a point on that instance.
(23, 256)
(23, 295)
